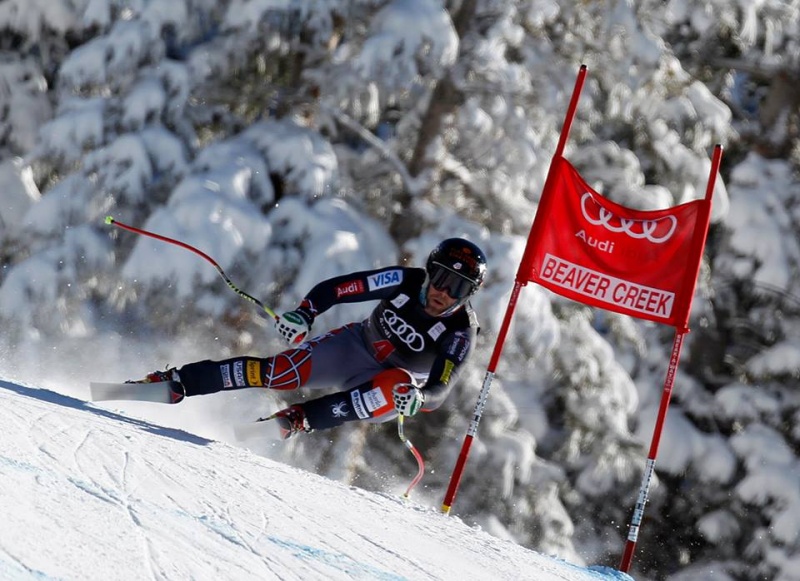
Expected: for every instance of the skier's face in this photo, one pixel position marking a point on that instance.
(438, 301)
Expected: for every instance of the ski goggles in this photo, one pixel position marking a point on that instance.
(454, 284)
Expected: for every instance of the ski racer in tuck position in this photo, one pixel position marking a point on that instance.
(403, 358)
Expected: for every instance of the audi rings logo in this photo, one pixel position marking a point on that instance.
(403, 331)
(655, 231)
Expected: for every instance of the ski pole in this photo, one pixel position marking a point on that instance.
(112, 222)
(417, 455)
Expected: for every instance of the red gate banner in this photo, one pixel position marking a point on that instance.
(591, 250)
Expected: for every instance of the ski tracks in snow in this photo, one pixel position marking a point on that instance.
(88, 493)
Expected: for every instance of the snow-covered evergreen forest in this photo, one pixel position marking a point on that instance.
(295, 140)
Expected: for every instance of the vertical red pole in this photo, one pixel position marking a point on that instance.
(638, 512)
(701, 233)
(573, 105)
(455, 479)
(520, 281)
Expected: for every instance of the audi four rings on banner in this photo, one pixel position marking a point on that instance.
(626, 225)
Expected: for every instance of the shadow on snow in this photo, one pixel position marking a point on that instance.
(74, 403)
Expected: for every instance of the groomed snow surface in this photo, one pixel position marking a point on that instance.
(90, 493)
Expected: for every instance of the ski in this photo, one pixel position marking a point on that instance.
(159, 392)
(260, 429)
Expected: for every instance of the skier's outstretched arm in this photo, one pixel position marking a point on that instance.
(295, 326)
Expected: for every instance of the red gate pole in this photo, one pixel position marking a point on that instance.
(641, 501)
(681, 330)
(519, 282)
(455, 479)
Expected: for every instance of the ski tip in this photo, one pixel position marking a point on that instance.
(109, 220)
(161, 392)
(261, 429)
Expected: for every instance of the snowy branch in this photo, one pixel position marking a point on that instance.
(412, 185)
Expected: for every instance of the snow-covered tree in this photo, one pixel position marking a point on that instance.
(293, 141)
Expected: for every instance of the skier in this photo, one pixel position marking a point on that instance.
(403, 358)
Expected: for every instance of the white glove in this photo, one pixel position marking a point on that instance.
(294, 326)
(408, 399)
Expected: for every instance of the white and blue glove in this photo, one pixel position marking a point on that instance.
(408, 399)
(294, 326)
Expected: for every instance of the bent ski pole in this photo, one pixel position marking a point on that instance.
(112, 222)
(417, 455)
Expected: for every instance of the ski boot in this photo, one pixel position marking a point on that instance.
(177, 390)
(291, 421)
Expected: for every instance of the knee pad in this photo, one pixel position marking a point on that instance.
(287, 370)
(370, 401)
(377, 395)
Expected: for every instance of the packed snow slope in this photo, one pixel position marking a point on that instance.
(88, 493)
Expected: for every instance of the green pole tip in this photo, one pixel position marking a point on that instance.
(109, 219)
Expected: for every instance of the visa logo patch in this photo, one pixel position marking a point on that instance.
(384, 279)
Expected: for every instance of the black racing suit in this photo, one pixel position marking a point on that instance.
(397, 334)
